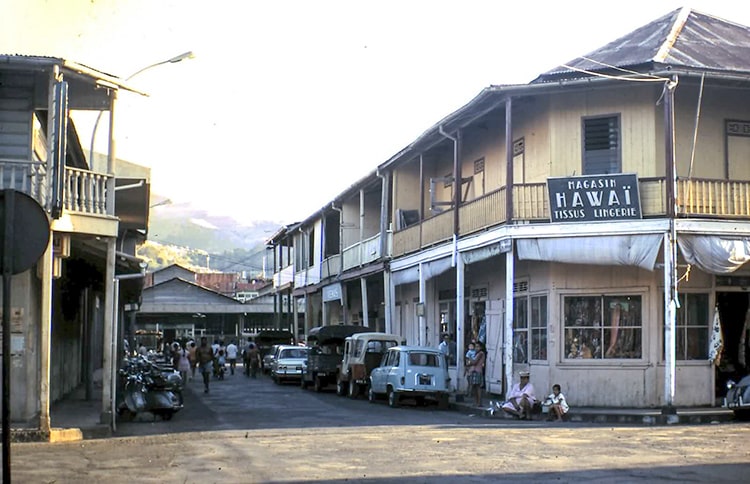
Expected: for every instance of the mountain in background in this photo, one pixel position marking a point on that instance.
(182, 234)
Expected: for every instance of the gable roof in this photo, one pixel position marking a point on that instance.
(683, 38)
(180, 296)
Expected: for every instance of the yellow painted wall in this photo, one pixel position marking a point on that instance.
(717, 106)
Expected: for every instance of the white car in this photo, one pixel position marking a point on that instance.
(288, 362)
(416, 372)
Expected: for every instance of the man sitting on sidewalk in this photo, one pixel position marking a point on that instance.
(521, 398)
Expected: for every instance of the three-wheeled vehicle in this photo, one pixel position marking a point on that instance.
(324, 358)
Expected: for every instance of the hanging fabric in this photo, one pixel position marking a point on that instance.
(716, 342)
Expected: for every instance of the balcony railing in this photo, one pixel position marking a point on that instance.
(330, 266)
(695, 197)
(722, 198)
(362, 252)
(24, 176)
(285, 276)
(85, 191)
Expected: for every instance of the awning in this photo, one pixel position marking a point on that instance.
(619, 250)
(430, 269)
(714, 254)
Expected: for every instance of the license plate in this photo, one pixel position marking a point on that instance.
(425, 379)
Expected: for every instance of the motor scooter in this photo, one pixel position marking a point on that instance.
(147, 388)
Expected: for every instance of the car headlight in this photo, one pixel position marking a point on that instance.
(730, 384)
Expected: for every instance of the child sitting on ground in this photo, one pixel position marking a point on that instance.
(555, 404)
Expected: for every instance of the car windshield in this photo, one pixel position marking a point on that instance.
(424, 359)
(293, 353)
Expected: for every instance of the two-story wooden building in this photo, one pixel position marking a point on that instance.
(65, 309)
(588, 225)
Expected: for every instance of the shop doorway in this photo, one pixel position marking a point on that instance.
(735, 326)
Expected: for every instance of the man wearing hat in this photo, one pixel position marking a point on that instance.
(521, 398)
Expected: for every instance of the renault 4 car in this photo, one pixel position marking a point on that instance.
(415, 372)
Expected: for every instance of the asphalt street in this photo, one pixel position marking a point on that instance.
(249, 430)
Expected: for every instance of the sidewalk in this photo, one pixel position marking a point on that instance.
(640, 416)
(75, 418)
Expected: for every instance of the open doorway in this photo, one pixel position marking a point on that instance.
(735, 325)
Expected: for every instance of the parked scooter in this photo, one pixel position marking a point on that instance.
(148, 388)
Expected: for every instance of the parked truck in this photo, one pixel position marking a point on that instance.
(362, 353)
(324, 357)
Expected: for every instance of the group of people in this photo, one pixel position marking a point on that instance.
(208, 359)
(521, 398)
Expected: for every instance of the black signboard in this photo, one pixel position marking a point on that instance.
(594, 198)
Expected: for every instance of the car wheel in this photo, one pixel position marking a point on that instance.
(340, 387)
(371, 397)
(743, 415)
(318, 385)
(275, 378)
(353, 389)
(443, 402)
(393, 398)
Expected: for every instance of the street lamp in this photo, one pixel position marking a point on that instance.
(167, 201)
(172, 60)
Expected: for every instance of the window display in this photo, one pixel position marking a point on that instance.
(603, 327)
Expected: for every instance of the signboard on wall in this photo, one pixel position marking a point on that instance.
(332, 292)
(594, 198)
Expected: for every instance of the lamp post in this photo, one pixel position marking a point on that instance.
(172, 60)
(167, 201)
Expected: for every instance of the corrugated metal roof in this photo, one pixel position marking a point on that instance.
(45, 62)
(682, 38)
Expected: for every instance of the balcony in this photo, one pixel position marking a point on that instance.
(362, 253)
(86, 192)
(695, 198)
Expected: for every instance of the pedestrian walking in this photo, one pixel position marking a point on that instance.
(183, 365)
(205, 360)
(191, 354)
(232, 351)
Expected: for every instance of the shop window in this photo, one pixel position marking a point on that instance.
(603, 327)
(692, 325)
(529, 328)
(538, 323)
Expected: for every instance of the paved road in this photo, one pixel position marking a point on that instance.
(255, 431)
(239, 402)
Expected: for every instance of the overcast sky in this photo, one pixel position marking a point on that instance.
(287, 103)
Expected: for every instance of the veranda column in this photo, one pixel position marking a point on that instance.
(389, 296)
(45, 339)
(109, 312)
(460, 320)
(508, 333)
(421, 338)
(365, 316)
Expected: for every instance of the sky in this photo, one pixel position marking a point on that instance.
(288, 103)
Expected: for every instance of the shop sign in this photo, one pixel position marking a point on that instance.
(594, 198)
(332, 292)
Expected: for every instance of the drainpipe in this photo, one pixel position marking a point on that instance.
(341, 235)
(456, 188)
